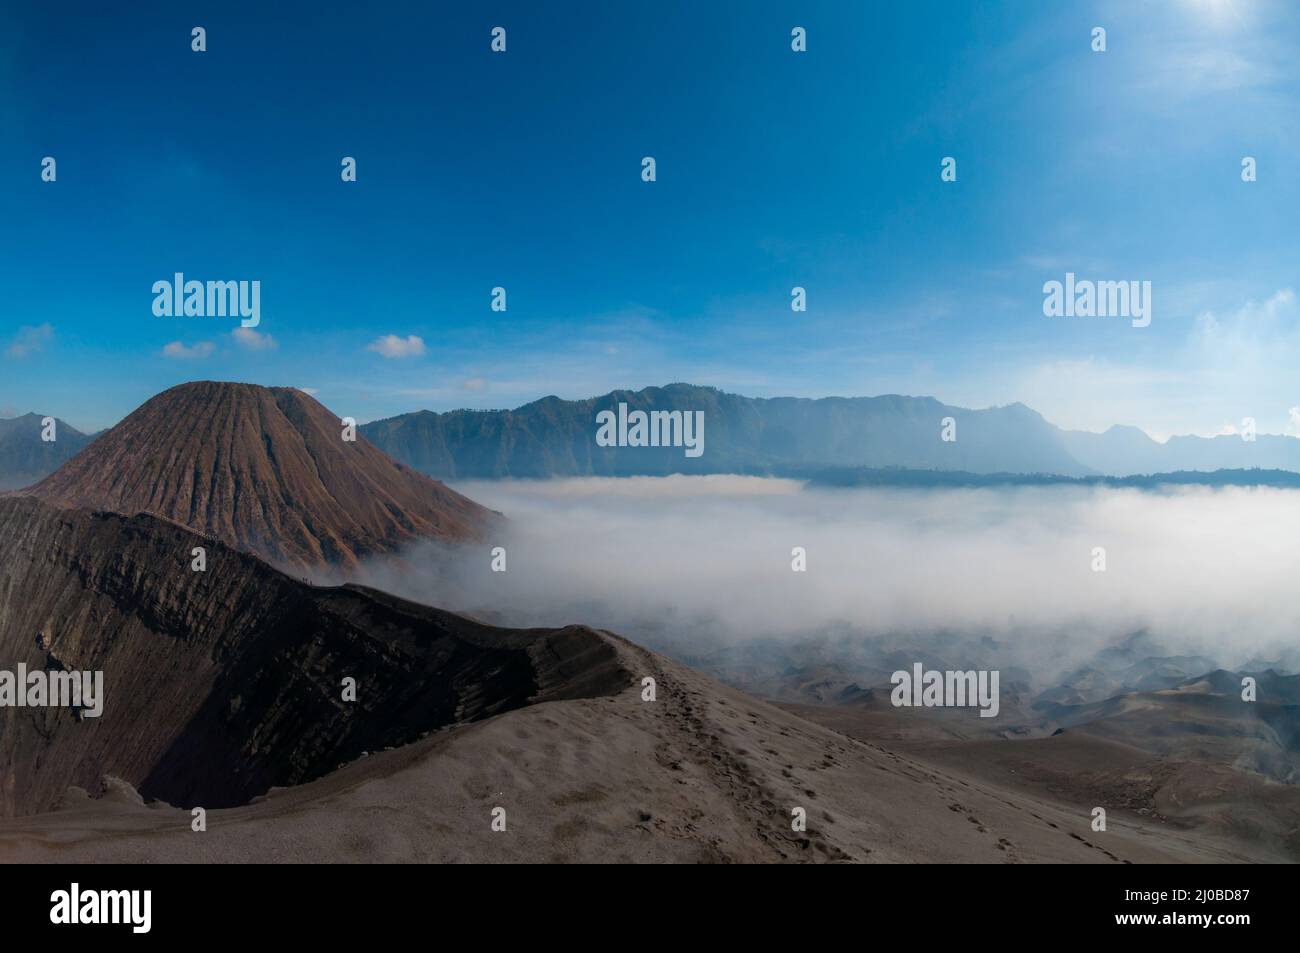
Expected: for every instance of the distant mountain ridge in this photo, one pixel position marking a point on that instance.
(931, 479)
(789, 436)
(1127, 451)
(25, 457)
(552, 437)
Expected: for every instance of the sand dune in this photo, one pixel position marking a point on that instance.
(1187, 795)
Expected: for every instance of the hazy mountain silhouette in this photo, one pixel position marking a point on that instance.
(25, 457)
(777, 436)
(554, 437)
(262, 469)
(899, 476)
(1124, 451)
(796, 436)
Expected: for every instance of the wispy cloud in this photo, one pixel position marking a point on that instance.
(1191, 48)
(30, 339)
(1234, 364)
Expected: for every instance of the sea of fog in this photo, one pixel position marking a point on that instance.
(706, 562)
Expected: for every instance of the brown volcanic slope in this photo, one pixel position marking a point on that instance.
(263, 469)
(220, 684)
(226, 684)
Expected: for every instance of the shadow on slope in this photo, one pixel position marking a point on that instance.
(223, 683)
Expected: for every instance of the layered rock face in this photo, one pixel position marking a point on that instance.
(263, 469)
(223, 683)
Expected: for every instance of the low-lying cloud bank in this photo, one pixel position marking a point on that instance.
(705, 562)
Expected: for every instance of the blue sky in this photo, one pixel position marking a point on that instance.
(775, 169)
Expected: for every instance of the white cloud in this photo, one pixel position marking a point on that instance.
(1205, 47)
(475, 383)
(1092, 394)
(183, 352)
(1196, 70)
(1231, 365)
(1251, 326)
(310, 391)
(252, 340)
(1201, 569)
(391, 346)
(30, 339)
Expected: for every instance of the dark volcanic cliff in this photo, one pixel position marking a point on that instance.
(223, 683)
(265, 470)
